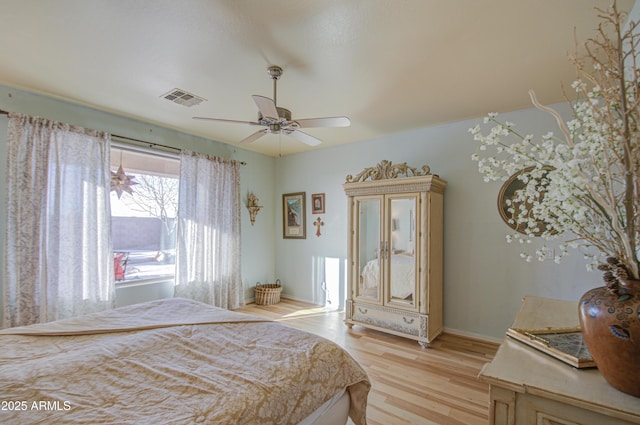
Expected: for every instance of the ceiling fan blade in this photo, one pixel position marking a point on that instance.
(224, 120)
(266, 106)
(324, 122)
(304, 137)
(255, 136)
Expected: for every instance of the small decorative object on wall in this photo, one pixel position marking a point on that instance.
(318, 223)
(294, 216)
(253, 207)
(317, 203)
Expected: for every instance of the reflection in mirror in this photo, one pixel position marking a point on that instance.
(368, 248)
(402, 263)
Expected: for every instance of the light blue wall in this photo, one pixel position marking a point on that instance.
(484, 277)
(258, 176)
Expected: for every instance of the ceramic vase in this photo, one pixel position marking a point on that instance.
(610, 321)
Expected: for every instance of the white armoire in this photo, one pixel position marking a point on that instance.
(395, 238)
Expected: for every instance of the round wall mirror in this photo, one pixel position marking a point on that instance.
(506, 200)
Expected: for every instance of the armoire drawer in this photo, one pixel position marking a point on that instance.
(401, 321)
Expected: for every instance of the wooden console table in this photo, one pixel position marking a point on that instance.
(531, 387)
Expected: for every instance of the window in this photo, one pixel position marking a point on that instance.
(143, 222)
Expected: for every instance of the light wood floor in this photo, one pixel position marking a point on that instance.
(410, 385)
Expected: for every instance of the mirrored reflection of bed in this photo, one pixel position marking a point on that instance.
(402, 276)
(176, 361)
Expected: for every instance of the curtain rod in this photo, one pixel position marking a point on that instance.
(151, 144)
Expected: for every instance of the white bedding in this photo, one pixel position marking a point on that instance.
(403, 272)
(172, 361)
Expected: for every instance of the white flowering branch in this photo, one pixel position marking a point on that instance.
(586, 183)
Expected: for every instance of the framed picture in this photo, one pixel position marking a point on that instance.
(293, 216)
(317, 203)
(565, 344)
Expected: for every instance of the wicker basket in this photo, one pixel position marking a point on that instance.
(268, 293)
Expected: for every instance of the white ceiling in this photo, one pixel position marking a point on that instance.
(389, 65)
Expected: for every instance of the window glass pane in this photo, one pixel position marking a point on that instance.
(143, 214)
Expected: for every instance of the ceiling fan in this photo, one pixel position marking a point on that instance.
(277, 120)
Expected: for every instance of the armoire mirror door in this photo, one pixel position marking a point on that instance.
(370, 249)
(401, 259)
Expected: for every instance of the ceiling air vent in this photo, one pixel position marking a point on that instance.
(182, 97)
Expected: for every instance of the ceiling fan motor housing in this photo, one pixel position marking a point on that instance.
(283, 113)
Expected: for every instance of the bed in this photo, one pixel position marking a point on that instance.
(403, 275)
(176, 361)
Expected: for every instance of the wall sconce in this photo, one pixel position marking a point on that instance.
(253, 207)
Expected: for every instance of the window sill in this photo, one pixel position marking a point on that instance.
(143, 282)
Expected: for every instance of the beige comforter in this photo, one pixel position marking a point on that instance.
(171, 361)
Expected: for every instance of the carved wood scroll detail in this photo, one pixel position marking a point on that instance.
(386, 170)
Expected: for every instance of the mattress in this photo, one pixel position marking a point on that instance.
(174, 361)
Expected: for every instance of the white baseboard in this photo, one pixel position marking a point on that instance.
(302, 300)
(473, 335)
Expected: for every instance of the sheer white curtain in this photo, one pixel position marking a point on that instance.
(58, 260)
(208, 242)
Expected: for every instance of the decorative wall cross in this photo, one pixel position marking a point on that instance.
(318, 223)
